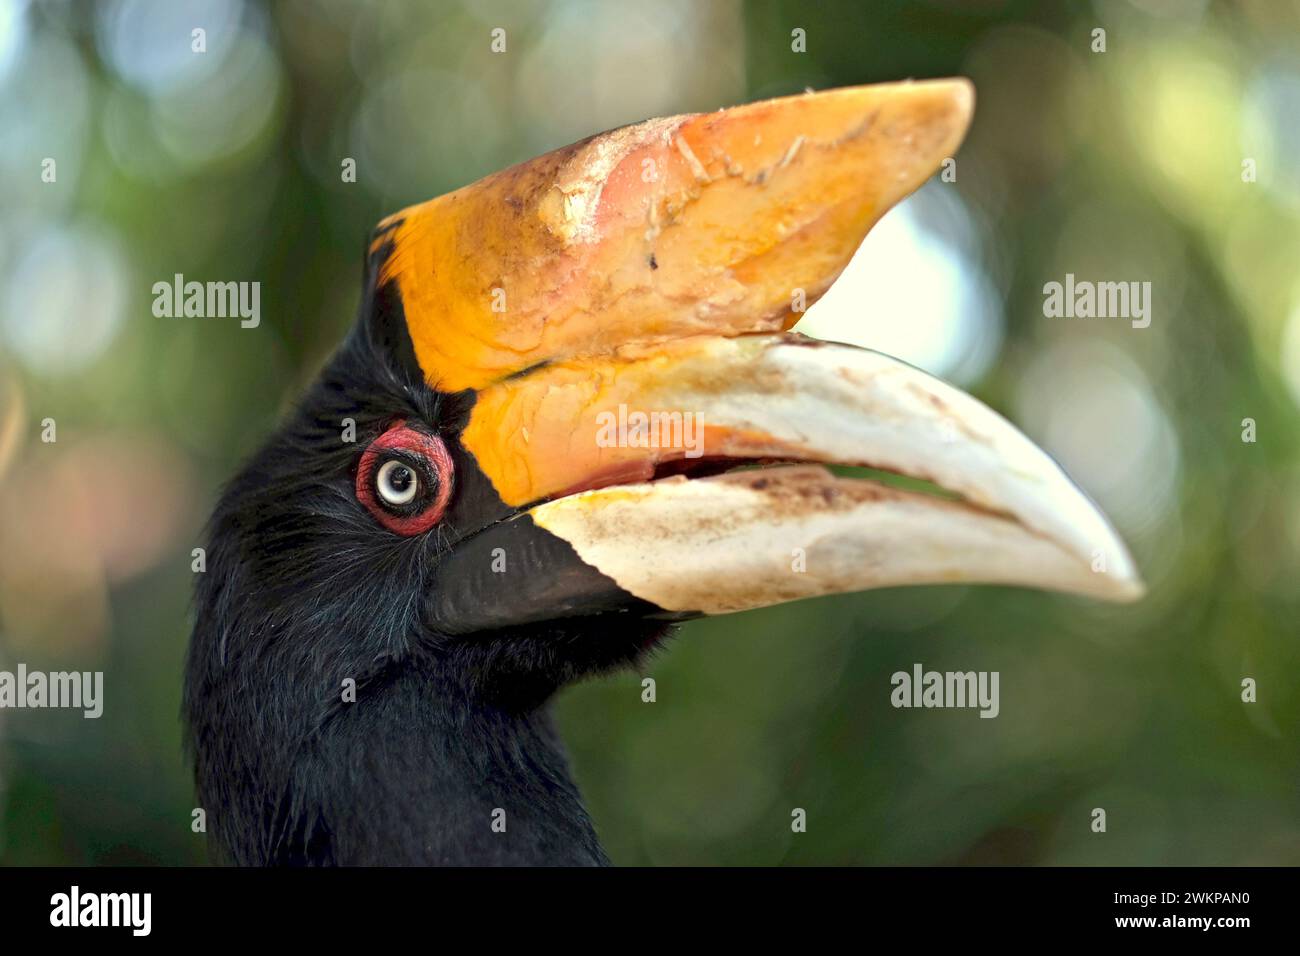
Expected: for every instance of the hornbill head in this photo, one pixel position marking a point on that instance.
(524, 464)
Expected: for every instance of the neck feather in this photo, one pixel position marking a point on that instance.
(419, 772)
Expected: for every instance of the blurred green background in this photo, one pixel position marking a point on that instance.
(1118, 165)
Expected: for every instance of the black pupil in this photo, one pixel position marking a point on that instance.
(400, 478)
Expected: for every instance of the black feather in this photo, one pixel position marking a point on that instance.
(304, 589)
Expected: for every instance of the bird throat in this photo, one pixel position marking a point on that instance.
(421, 771)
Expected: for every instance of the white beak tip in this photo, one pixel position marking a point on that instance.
(1122, 583)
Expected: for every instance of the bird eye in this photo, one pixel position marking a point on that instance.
(397, 482)
(404, 479)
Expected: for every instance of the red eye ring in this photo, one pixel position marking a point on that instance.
(429, 459)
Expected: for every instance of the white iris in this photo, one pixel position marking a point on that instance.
(397, 482)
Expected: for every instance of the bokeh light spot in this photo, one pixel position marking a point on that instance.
(915, 294)
(64, 299)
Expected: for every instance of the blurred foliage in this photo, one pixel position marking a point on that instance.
(1120, 165)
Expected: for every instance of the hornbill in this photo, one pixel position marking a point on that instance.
(436, 539)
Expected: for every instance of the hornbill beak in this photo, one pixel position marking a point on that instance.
(620, 310)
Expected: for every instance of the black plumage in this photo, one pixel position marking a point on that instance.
(304, 590)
